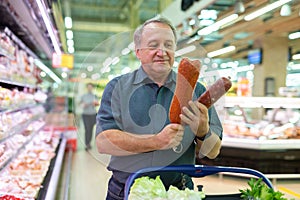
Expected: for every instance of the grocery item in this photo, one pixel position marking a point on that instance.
(215, 92)
(188, 73)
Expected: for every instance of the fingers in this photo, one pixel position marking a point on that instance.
(177, 127)
(172, 136)
(194, 111)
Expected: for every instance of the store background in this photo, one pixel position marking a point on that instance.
(94, 38)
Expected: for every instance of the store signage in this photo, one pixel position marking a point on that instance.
(62, 61)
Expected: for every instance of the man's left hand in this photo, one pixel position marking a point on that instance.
(196, 116)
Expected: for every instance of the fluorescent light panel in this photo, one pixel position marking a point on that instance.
(296, 57)
(221, 51)
(265, 9)
(48, 26)
(185, 50)
(43, 67)
(216, 26)
(69, 34)
(68, 22)
(295, 35)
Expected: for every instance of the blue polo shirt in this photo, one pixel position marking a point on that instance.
(135, 104)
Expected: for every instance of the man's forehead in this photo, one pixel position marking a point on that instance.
(156, 26)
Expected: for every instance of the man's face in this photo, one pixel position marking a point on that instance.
(157, 48)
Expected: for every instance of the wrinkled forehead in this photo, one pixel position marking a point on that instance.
(158, 30)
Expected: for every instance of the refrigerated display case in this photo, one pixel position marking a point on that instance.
(31, 153)
(261, 133)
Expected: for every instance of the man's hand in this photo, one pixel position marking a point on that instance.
(196, 116)
(171, 136)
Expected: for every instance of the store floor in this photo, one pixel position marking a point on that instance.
(88, 179)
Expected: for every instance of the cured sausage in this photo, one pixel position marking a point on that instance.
(215, 92)
(187, 76)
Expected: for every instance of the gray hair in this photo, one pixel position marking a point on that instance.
(137, 37)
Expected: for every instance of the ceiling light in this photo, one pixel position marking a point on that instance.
(95, 76)
(185, 50)
(115, 60)
(216, 26)
(69, 34)
(125, 51)
(71, 49)
(131, 46)
(107, 62)
(239, 7)
(221, 51)
(90, 68)
(296, 56)
(43, 74)
(265, 9)
(64, 75)
(70, 43)
(192, 22)
(285, 10)
(49, 26)
(43, 67)
(68, 22)
(295, 35)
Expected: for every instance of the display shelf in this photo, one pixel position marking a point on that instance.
(17, 109)
(5, 53)
(15, 84)
(19, 127)
(262, 102)
(48, 191)
(19, 149)
(278, 144)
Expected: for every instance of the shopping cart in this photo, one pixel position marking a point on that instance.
(200, 171)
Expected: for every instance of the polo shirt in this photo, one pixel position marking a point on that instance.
(135, 104)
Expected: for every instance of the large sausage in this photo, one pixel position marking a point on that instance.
(187, 76)
(215, 92)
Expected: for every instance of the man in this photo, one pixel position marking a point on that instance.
(88, 102)
(132, 121)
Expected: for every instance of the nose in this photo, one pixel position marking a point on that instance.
(161, 51)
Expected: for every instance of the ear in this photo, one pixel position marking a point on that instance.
(138, 53)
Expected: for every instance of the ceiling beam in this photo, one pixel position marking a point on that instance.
(100, 27)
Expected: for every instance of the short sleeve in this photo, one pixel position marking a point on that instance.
(105, 117)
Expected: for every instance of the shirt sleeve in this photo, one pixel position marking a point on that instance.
(105, 117)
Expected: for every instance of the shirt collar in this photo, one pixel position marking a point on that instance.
(141, 76)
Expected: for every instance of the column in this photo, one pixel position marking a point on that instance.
(274, 63)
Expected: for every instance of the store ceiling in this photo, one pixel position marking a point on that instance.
(101, 28)
(97, 21)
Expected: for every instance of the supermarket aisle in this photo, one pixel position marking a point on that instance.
(88, 177)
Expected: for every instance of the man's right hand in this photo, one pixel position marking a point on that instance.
(171, 136)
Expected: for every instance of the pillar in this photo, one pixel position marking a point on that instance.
(273, 67)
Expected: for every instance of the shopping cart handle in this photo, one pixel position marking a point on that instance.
(196, 171)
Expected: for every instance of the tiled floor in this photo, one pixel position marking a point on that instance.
(88, 179)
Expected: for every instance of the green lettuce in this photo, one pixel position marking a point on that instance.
(145, 188)
(175, 193)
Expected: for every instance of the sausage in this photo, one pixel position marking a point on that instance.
(187, 76)
(215, 92)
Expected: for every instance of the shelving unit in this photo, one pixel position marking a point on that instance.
(22, 128)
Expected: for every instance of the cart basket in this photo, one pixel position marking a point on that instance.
(200, 171)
